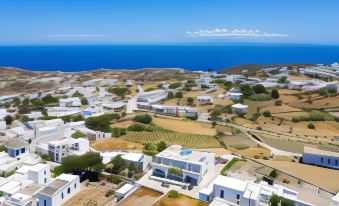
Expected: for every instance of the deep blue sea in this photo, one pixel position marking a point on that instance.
(191, 57)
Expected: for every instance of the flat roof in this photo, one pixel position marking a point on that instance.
(15, 143)
(53, 187)
(38, 167)
(67, 177)
(125, 189)
(239, 106)
(232, 183)
(135, 157)
(179, 153)
(317, 151)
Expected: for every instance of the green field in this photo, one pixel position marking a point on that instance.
(170, 137)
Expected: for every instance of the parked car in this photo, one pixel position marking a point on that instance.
(190, 187)
(164, 184)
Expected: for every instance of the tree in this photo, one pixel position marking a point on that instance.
(216, 113)
(266, 113)
(190, 101)
(25, 102)
(88, 161)
(119, 164)
(259, 89)
(282, 79)
(84, 101)
(178, 95)
(24, 118)
(275, 94)
(16, 101)
(49, 99)
(278, 102)
(246, 90)
(8, 119)
(161, 146)
(170, 95)
(273, 174)
(145, 118)
(102, 122)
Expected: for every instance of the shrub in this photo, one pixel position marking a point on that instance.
(323, 92)
(117, 132)
(282, 80)
(275, 94)
(228, 166)
(266, 113)
(278, 102)
(121, 92)
(260, 97)
(175, 171)
(102, 122)
(170, 95)
(311, 126)
(77, 134)
(273, 174)
(259, 89)
(173, 194)
(255, 116)
(286, 181)
(113, 179)
(175, 85)
(8, 119)
(178, 95)
(145, 118)
(109, 193)
(161, 146)
(136, 128)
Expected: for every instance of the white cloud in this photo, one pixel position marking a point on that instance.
(77, 35)
(235, 32)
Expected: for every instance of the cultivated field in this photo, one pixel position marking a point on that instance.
(89, 193)
(321, 103)
(185, 126)
(141, 197)
(183, 200)
(170, 137)
(322, 177)
(123, 124)
(116, 144)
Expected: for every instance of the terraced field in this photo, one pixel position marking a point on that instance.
(170, 137)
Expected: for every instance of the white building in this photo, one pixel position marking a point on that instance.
(239, 192)
(62, 111)
(335, 200)
(181, 165)
(139, 160)
(239, 108)
(63, 148)
(234, 94)
(48, 128)
(59, 191)
(114, 106)
(152, 96)
(203, 100)
(70, 102)
(124, 191)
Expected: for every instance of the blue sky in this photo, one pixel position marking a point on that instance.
(25, 22)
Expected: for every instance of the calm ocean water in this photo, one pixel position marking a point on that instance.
(201, 57)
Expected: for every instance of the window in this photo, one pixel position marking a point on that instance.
(22, 150)
(68, 190)
(45, 180)
(238, 197)
(328, 161)
(45, 202)
(321, 160)
(75, 185)
(336, 162)
(45, 172)
(221, 193)
(62, 195)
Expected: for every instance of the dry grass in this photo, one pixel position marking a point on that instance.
(255, 152)
(245, 123)
(280, 109)
(141, 197)
(183, 200)
(321, 129)
(288, 91)
(185, 126)
(288, 98)
(89, 193)
(322, 177)
(123, 124)
(318, 104)
(217, 151)
(299, 77)
(115, 144)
